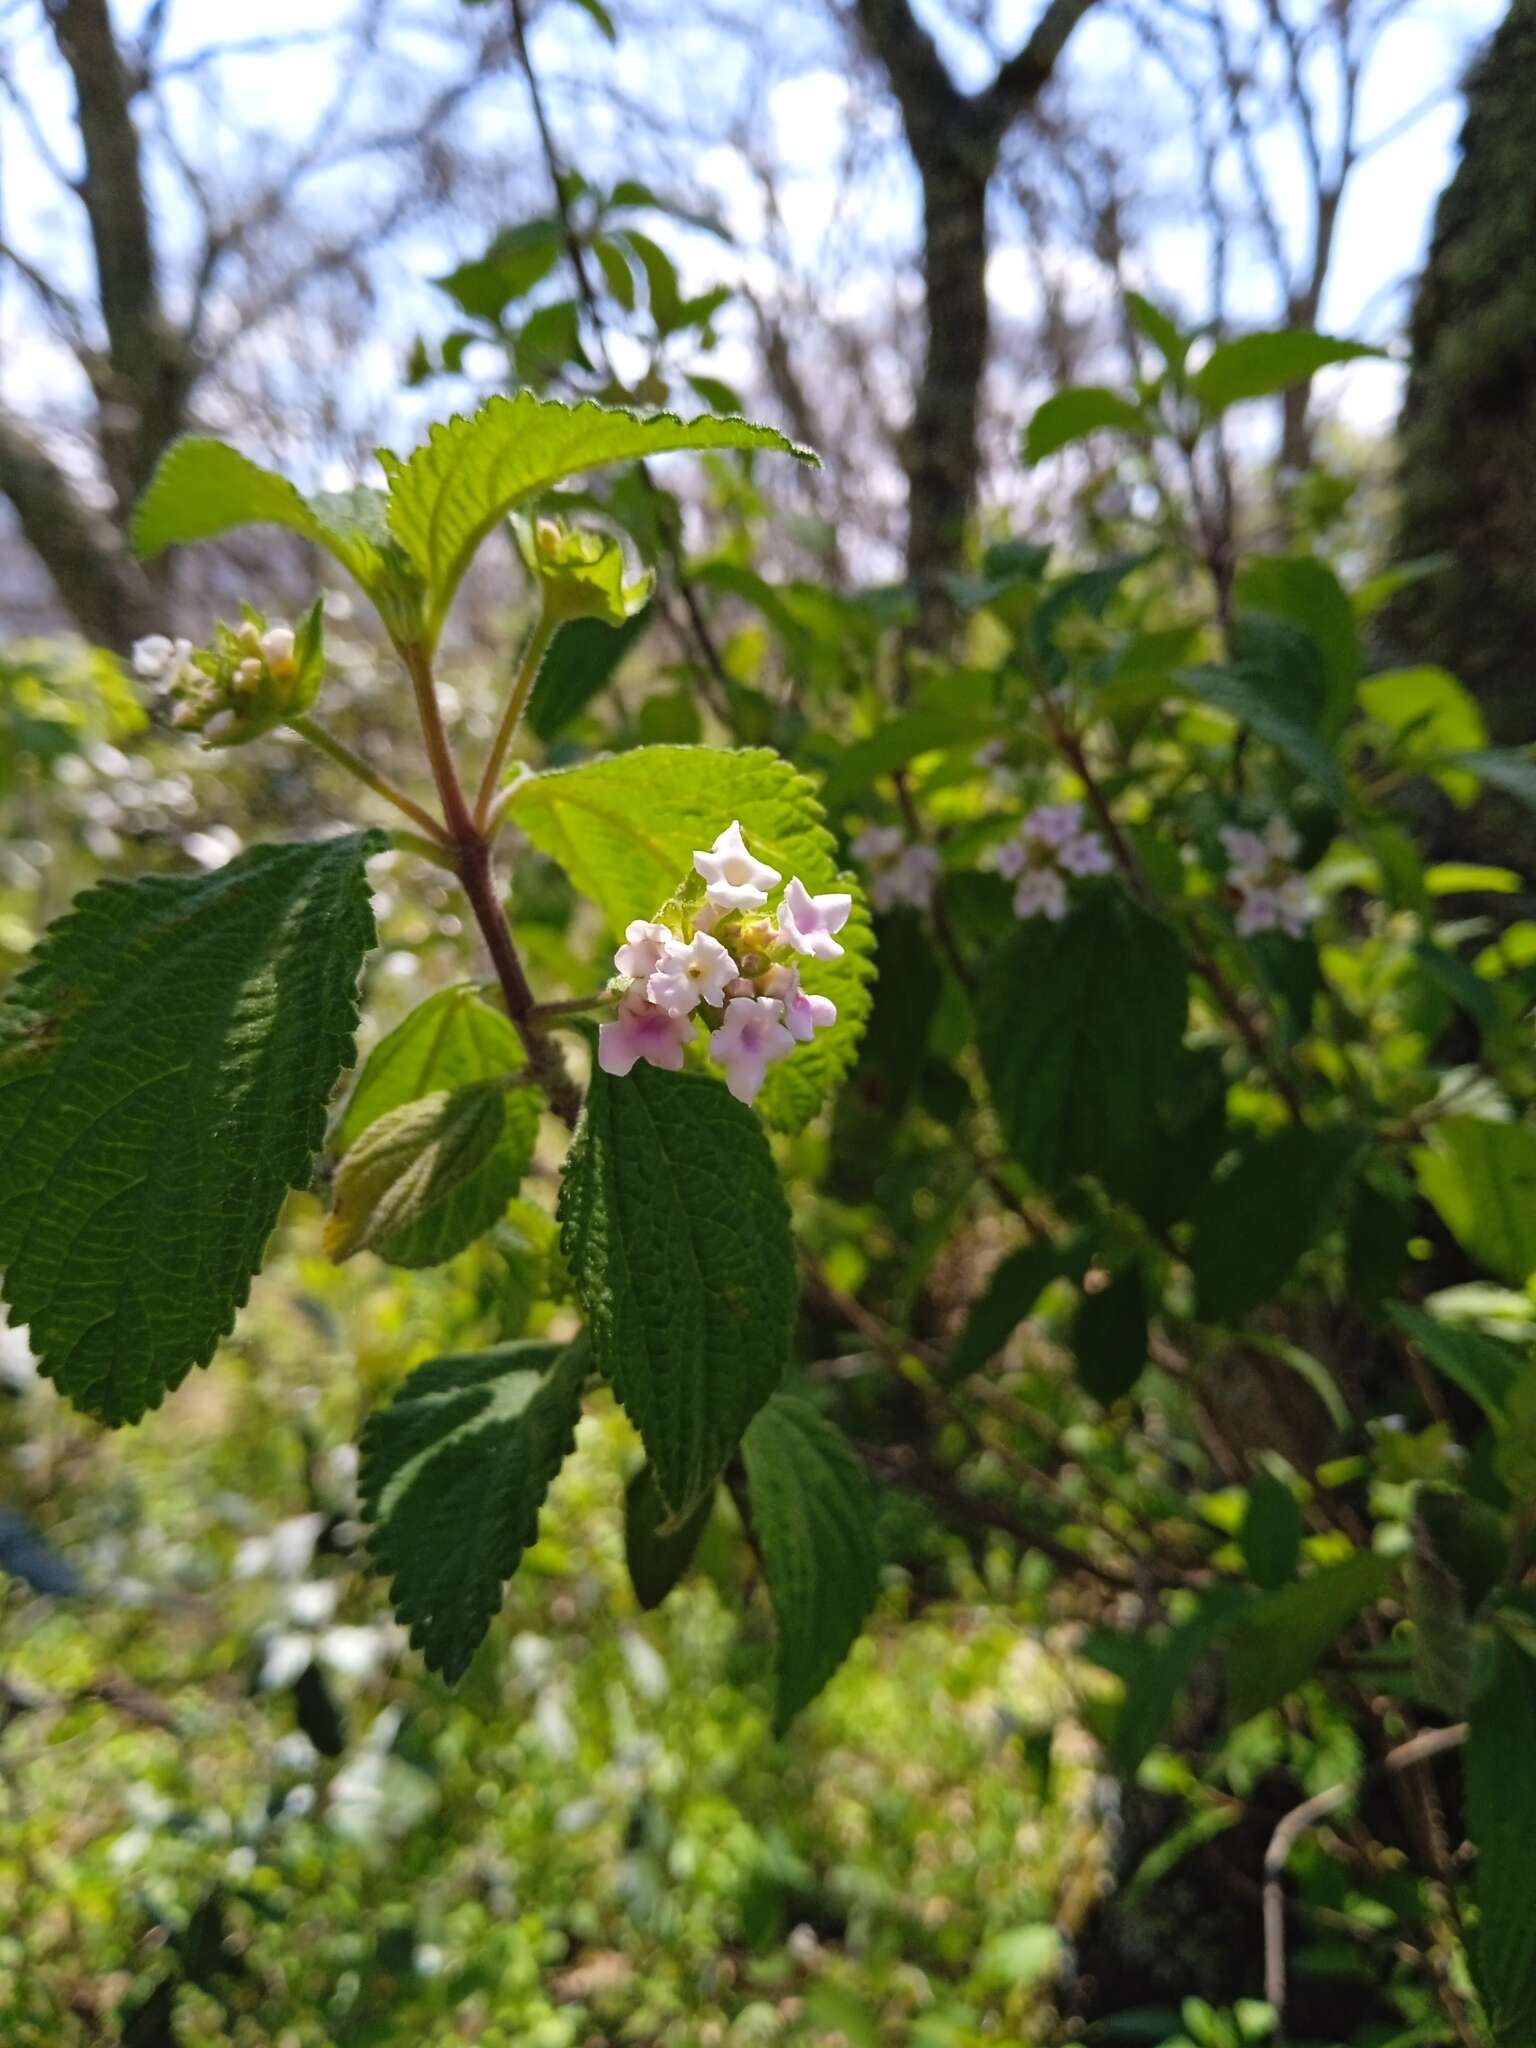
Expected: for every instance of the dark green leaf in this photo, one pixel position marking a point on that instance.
(1259, 365)
(1279, 1639)
(1275, 705)
(812, 1523)
(1080, 1029)
(1109, 1337)
(657, 1548)
(1072, 415)
(1012, 1292)
(899, 740)
(1272, 1532)
(1307, 594)
(1160, 1674)
(1509, 769)
(1375, 1244)
(164, 1072)
(1162, 332)
(1501, 1817)
(1481, 1366)
(453, 1474)
(676, 1232)
(586, 653)
(1254, 1225)
(409, 1161)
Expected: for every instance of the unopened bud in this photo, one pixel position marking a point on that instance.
(277, 646)
(220, 726)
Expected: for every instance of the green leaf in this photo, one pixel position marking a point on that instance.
(1080, 1030)
(164, 1071)
(1501, 1818)
(1070, 416)
(1163, 333)
(1259, 365)
(1109, 1337)
(1503, 768)
(408, 1162)
(625, 829)
(1307, 594)
(204, 488)
(579, 665)
(812, 1522)
(1162, 1672)
(1252, 1228)
(657, 1548)
(450, 1041)
(1272, 1532)
(473, 470)
(1276, 707)
(676, 1232)
(1482, 1367)
(1429, 714)
(1279, 1639)
(452, 1477)
(1012, 1292)
(515, 262)
(856, 767)
(1481, 1177)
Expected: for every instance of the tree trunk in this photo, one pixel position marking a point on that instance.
(941, 453)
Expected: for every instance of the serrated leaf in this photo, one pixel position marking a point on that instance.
(625, 829)
(1080, 1029)
(1260, 365)
(452, 1478)
(1481, 1177)
(657, 1547)
(164, 1072)
(1069, 416)
(451, 1040)
(1278, 1640)
(1501, 1817)
(203, 488)
(676, 1232)
(1481, 1366)
(408, 1162)
(473, 470)
(1253, 1227)
(812, 1522)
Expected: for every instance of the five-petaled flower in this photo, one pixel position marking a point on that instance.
(808, 922)
(735, 879)
(641, 1032)
(689, 973)
(753, 1035)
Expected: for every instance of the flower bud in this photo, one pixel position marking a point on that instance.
(581, 571)
(251, 678)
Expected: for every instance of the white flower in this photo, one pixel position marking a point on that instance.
(641, 1032)
(1042, 892)
(1259, 911)
(1281, 837)
(807, 922)
(1271, 895)
(152, 656)
(877, 843)
(1296, 905)
(737, 881)
(804, 1014)
(220, 726)
(644, 945)
(690, 973)
(277, 646)
(753, 1035)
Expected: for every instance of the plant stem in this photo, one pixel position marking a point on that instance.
(532, 661)
(418, 666)
(308, 728)
(571, 1006)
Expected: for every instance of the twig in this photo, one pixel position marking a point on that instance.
(311, 730)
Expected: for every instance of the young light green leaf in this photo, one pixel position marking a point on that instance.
(1259, 365)
(1069, 416)
(1481, 1177)
(1080, 1030)
(812, 1516)
(1501, 1818)
(473, 470)
(452, 1478)
(164, 1072)
(657, 1548)
(625, 829)
(452, 1040)
(408, 1162)
(1277, 1641)
(1253, 1226)
(676, 1233)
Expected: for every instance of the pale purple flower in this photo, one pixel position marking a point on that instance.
(641, 1032)
(1271, 895)
(1296, 905)
(1041, 892)
(1053, 825)
(1247, 855)
(1259, 911)
(1281, 838)
(808, 922)
(1085, 855)
(804, 1014)
(753, 1035)
(736, 879)
(689, 973)
(878, 843)
(644, 944)
(910, 879)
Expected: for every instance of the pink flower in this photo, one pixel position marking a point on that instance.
(807, 922)
(751, 1038)
(804, 1014)
(1041, 893)
(690, 973)
(736, 879)
(641, 1032)
(644, 945)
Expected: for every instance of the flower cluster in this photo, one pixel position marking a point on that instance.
(901, 871)
(254, 676)
(713, 954)
(1051, 844)
(1261, 867)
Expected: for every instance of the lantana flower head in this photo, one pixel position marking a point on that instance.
(1052, 843)
(1271, 894)
(250, 678)
(716, 955)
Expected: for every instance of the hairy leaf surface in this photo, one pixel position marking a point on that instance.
(813, 1523)
(164, 1072)
(453, 1475)
(625, 830)
(676, 1232)
(409, 1162)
